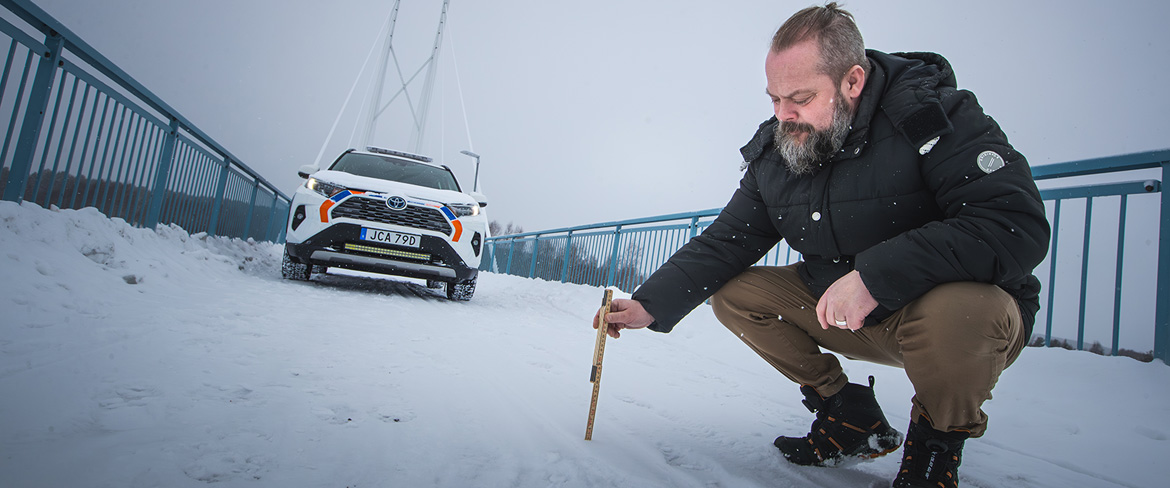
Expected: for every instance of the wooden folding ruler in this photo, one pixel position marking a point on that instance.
(598, 355)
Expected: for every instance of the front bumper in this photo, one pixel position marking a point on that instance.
(340, 245)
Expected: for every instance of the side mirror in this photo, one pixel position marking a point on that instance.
(306, 170)
(480, 198)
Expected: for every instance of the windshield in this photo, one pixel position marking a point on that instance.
(396, 169)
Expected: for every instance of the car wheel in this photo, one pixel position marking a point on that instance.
(292, 270)
(461, 291)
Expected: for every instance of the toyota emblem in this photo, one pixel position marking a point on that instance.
(396, 203)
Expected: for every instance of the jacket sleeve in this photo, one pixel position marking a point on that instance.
(739, 237)
(993, 228)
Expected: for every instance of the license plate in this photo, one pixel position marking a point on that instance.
(390, 237)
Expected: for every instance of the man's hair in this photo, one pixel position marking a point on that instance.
(837, 36)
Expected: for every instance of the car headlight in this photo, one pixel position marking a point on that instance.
(463, 210)
(323, 187)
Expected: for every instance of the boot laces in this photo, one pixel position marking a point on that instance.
(936, 464)
(933, 460)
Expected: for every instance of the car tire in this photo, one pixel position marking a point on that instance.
(461, 291)
(292, 270)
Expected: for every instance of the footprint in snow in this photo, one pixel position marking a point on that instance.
(336, 415)
(393, 415)
(126, 395)
(228, 393)
(674, 458)
(1151, 433)
(217, 466)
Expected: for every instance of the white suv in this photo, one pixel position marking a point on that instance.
(386, 212)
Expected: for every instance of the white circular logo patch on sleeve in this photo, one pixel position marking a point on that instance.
(989, 161)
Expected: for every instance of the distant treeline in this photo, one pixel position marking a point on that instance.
(585, 268)
(1095, 348)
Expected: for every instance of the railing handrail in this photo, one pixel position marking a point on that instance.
(711, 212)
(46, 24)
(602, 250)
(165, 170)
(1104, 164)
(1124, 162)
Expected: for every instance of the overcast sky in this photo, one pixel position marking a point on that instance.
(596, 111)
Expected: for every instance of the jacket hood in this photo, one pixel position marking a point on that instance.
(912, 98)
(905, 86)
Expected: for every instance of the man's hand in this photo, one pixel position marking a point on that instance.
(624, 314)
(846, 303)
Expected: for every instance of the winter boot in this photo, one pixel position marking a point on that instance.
(930, 458)
(849, 424)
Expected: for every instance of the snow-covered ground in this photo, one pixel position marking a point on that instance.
(135, 358)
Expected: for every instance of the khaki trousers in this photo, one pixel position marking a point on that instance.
(953, 342)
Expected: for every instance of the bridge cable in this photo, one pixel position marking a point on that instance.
(349, 95)
(459, 84)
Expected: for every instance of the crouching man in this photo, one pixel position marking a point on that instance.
(919, 226)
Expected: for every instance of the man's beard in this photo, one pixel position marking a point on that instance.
(818, 145)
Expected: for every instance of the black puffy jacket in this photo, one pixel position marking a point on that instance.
(966, 210)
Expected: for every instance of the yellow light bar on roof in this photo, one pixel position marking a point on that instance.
(387, 252)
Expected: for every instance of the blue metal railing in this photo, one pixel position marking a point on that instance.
(625, 253)
(80, 132)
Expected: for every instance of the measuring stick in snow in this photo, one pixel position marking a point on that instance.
(598, 355)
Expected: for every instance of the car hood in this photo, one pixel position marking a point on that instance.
(392, 188)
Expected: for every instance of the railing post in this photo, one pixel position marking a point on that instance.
(1162, 301)
(617, 235)
(535, 251)
(1117, 280)
(568, 247)
(1052, 272)
(251, 210)
(165, 161)
(1085, 273)
(511, 251)
(271, 234)
(34, 117)
(487, 260)
(217, 204)
(694, 226)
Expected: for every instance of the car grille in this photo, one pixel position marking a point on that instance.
(369, 209)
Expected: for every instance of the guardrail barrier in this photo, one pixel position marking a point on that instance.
(1106, 237)
(79, 132)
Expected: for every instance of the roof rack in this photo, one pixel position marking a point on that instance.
(392, 152)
